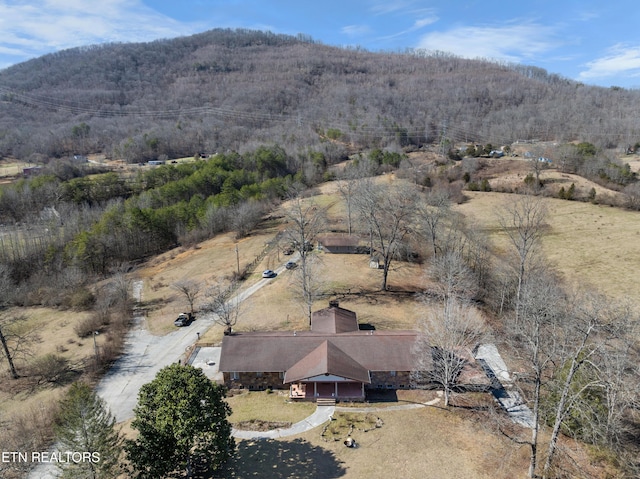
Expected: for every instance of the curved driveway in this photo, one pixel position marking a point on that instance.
(145, 354)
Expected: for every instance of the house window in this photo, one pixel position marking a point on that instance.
(258, 374)
(392, 373)
(235, 376)
(281, 375)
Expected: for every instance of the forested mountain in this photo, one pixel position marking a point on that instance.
(232, 90)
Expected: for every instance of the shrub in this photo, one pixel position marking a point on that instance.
(86, 327)
(52, 368)
(82, 299)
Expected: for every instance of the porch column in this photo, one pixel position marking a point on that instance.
(315, 389)
(336, 390)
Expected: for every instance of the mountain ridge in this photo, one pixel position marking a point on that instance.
(232, 89)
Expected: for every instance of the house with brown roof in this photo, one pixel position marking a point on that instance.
(334, 360)
(342, 244)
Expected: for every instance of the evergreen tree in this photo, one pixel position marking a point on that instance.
(181, 418)
(88, 441)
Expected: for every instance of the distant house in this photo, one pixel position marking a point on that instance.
(335, 360)
(342, 244)
(156, 162)
(31, 171)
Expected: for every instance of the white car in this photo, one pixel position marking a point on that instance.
(267, 273)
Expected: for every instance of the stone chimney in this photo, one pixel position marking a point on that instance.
(334, 303)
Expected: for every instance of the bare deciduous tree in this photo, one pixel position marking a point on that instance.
(432, 213)
(191, 290)
(308, 283)
(448, 335)
(305, 221)
(575, 352)
(348, 186)
(16, 340)
(388, 211)
(593, 327)
(454, 278)
(536, 338)
(226, 309)
(523, 221)
(246, 216)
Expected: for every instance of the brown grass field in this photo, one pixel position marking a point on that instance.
(590, 245)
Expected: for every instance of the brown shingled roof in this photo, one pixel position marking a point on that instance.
(279, 351)
(327, 359)
(334, 319)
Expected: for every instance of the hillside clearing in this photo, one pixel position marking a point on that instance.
(590, 245)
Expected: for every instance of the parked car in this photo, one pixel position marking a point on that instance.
(290, 264)
(287, 251)
(184, 319)
(267, 273)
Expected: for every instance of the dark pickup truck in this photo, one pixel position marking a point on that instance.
(184, 319)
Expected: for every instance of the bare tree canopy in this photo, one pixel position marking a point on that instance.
(225, 307)
(388, 212)
(523, 221)
(190, 289)
(305, 220)
(449, 332)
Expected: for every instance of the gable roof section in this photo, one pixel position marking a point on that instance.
(327, 359)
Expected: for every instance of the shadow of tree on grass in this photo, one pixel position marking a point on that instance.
(283, 459)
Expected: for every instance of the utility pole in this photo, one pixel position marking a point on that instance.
(95, 345)
(238, 260)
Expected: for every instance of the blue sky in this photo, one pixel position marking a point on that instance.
(593, 41)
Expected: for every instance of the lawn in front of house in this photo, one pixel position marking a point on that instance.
(267, 406)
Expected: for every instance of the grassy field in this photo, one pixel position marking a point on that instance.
(590, 245)
(55, 335)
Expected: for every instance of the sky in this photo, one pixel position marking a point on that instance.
(592, 41)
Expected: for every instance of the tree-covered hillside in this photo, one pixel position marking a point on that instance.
(230, 89)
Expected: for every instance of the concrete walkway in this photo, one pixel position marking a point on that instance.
(502, 386)
(321, 415)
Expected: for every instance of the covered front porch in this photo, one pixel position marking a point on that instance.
(338, 390)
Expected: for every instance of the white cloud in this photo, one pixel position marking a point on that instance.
(47, 25)
(620, 60)
(423, 22)
(509, 42)
(356, 30)
(389, 6)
